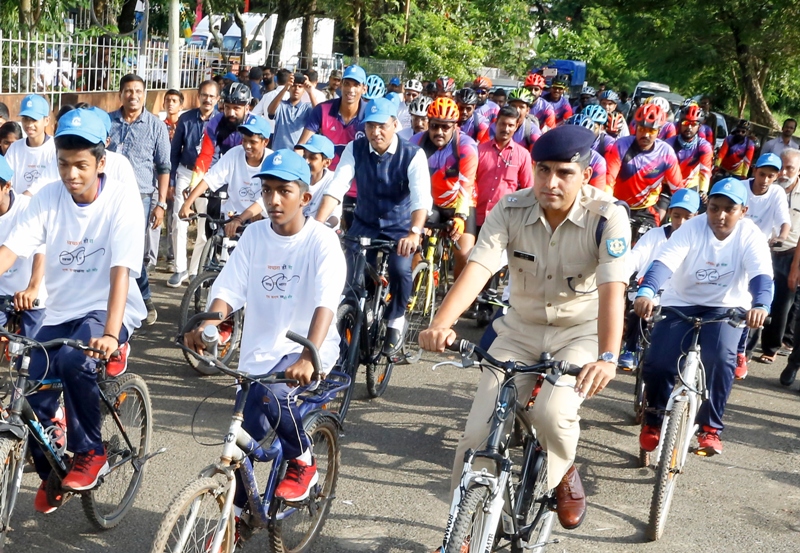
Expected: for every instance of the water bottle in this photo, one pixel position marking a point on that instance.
(210, 339)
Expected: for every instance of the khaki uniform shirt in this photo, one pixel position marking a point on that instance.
(794, 212)
(554, 274)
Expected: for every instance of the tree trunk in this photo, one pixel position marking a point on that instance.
(25, 16)
(751, 72)
(357, 33)
(307, 39)
(277, 38)
(127, 17)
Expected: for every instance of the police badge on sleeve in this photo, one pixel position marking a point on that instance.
(616, 246)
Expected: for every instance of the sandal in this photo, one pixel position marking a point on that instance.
(766, 359)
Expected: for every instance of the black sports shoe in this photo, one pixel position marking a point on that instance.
(789, 373)
(393, 342)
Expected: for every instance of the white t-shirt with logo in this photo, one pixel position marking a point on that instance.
(244, 189)
(82, 245)
(283, 280)
(317, 192)
(768, 211)
(33, 167)
(712, 272)
(18, 276)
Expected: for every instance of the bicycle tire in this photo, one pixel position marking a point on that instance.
(419, 312)
(531, 492)
(283, 536)
(667, 470)
(208, 249)
(469, 522)
(195, 300)
(639, 401)
(12, 457)
(107, 504)
(195, 493)
(379, 366)
(345, 324)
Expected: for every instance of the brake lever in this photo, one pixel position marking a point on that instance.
(448, 363)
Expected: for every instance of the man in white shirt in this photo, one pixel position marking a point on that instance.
(281, 78)
(33, 159)
(784, 140)
(94, 239)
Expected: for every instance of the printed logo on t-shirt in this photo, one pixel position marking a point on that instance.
(712, 276)
(31, 175)
(78, 257)
(250, 190)
(279, 282)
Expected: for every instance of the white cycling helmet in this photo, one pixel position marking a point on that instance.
(413, 84)
(662, 103)
(419, 106)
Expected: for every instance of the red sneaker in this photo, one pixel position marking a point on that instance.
(119, 364)
(58, 431)
(708, 442)
(86, 471)
(298, 480)
(649, 437)
(740, 372)
(41, 503)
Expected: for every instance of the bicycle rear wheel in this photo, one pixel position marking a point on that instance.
(668, 468)
(420, 310)
(296, 526)
(470, 519)
(12, 457)
(345, 324)
(534, 498)
(195, 300)
(190, 523)
(107, 504)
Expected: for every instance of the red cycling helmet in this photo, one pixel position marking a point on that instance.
(482, 82)
(650, 116)
(534, 79)
(693, 113)
(615, 123)
(445, 84)
(443, 109)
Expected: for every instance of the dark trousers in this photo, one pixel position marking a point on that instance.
(81, 394)
(772, 335)
(29, 321)
(633, 331)
(670, 339)
(399, 269)
(143, 282)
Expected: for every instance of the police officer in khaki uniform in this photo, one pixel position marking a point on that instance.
(567, 298)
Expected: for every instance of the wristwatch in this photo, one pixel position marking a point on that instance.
(162, 205)
(417, 231)
(608, 357)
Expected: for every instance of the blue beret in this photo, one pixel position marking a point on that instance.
(569, 143)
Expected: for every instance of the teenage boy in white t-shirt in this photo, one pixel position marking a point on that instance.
(290, 271)
(94, 245)
(318, 152)
(682, 207)
(716, 262)
(33, 159)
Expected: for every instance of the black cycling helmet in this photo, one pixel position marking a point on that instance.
(238, 94)
(561, 80)
(466, 96)
(743, 124)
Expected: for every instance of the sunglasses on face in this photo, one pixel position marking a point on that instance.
(481, 92)
(441, 126)
(647, 132)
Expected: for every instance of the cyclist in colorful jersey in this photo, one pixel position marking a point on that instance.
(541, 108)
(736, 154)
(596, 162)
(668, 130)
(528, 130)
(639, 165)
(445, 87)
(558, 99)
(705, 131)
(616, 126)
(486, 108)
(418, 110)
(695, 155)
(469, 121)
(599, 116)
(452, 161)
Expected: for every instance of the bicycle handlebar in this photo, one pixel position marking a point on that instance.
(371, 243)
(7, 304)
(731, 316)
(545, 365)
(31, 343)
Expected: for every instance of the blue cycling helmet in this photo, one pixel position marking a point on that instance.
(375, 88)
(610, 95)
(596, 113)
(582, 121)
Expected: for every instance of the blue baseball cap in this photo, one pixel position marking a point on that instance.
(394, 97)
(35, 107)
(395, 81)
(732, 188)
(379, 110)
(687, 199)
(104, 117)
(230, 76)
(257, 125)
(319, 144)
(83, 123)
(769, 160)
(287, 165)
(6, 172)
(356, 73)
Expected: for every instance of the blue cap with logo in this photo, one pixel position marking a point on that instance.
(229, 76)
(257, 125)
(395, 81)
(732, 188)
(83, 123)
(287, 165)
(35, 107)
(356, 73)
(6, 172)
(769, 160)
(319, 144)
(104, 117)
(687, 199)
(379, 110)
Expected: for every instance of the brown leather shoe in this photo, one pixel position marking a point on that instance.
(570, 500)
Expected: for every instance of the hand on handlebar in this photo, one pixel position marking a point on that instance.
(436, 339)
(185, 212)
(594, 378)
(643, 307)
(457, 226)
(302, 371)
(756, 317)
(232, 226)
(106, 344)
(194, 340)
(25, 300)
(408, 245)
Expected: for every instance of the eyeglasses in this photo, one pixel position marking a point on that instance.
(690, 123)
(441, 126)
(647, 131)
(481, 92)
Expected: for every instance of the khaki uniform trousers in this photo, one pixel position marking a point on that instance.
(555, 413)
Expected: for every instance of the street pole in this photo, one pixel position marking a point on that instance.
(173, 54)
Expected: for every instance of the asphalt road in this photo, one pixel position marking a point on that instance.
(397, 453)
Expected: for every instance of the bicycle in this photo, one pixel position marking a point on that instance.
(429, 280)
(487, 508)
(201, 517)
(360, 319)
(126, 422)
(679, 419)
(642, 345)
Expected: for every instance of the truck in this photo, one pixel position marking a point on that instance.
(575, 69)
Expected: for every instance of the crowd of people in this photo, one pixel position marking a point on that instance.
(579, 197)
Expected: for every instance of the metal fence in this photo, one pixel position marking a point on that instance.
(385, 68)
(56, 65)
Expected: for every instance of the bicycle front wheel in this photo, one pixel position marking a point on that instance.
(348, 360)
(12, 457)
(668, 468)
(469, 522)
(191, 521)
(195, 300)
(533, 497)
(420, 310)
(379, 366)
(106, 505)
